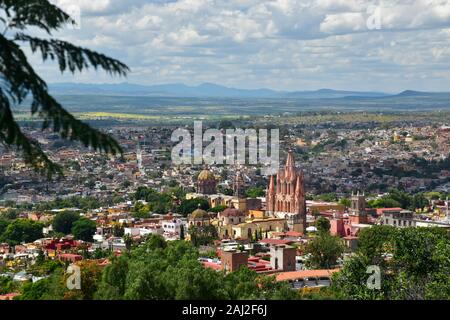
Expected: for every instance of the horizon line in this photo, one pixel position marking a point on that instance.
(246, 89)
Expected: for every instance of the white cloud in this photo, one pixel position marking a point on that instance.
(291, 44)
(343, 23)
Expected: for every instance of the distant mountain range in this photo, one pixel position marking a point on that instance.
(210, 90)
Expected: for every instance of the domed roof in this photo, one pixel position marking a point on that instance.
(232, 212)
(199, 214)
(206, 175)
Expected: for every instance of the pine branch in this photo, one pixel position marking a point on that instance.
(72, 57)
(37, 13)
(20, 80)
(11, 134)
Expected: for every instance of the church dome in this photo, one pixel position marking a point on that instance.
(199, 214)
(232, 212)
(206, 175)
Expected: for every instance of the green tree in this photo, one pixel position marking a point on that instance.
(323, 224)
(172, 271)
(22, 230)
(3, 225)
(375, 241)
(118, 230)
(384, 202)
(182, 236)
(125, 184)
(218, 209)
(7, 285)
(20, 81)
(188, 206)
(202, 235)
(113, 282)
(51, 288)
(413, 264)
(419, 201)
(141, 210)
(345, 202)
(128, 241)
(90, 278)
(84, 229)
(324, 251)
(63, 221)
(328, 197)
(255, 192)
(438, 288)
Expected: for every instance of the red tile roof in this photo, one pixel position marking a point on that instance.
(295, 275)
(212, 265)
(380, 210)
(293, 234)
(275, 241)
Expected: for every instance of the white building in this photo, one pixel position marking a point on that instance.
(174, 226)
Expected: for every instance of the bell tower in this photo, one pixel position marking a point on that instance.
(358, 212)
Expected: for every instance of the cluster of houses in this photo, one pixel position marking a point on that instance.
(266, 234)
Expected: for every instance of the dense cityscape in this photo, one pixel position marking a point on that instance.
(353, 184)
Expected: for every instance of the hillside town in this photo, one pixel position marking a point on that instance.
(411, 158)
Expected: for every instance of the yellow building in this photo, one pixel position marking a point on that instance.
(245, 231)
(235, 224)
(218, 199)
(318, 206)
(257, 214)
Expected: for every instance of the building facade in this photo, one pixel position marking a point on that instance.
(286, 196)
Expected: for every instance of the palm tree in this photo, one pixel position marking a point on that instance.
(18, 80)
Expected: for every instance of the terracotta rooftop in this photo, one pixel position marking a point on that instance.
(295, 275)
(380, 210)
(275, 241)
(293, 234)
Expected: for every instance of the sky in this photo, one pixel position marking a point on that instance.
(386, 46)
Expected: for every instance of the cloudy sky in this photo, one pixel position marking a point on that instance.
(388, 45)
